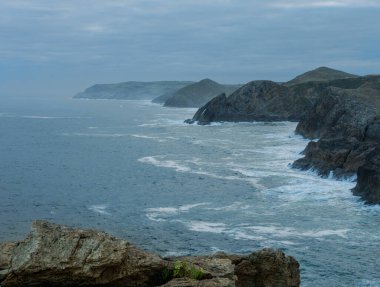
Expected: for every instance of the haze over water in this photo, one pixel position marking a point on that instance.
(135, 170)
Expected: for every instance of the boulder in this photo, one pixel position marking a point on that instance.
(55, 255)
(269, 268)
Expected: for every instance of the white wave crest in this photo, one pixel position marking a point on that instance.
(99, 208)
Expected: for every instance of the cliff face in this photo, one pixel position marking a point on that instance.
(347, 123)
(344, 114)
(197, 94)
(54, 255)
(270, 101)
(259, 101)
(131, 90)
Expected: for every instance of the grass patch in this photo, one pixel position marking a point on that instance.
(183, 269)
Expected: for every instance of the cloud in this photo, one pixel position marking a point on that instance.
(299, 4)
(94, 28)
(83, 42)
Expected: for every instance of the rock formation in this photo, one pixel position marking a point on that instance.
(270, 101)
(347, 123)
(54, 255)
(343, 114)
(197, 94)
(340, 119)
(258, 101)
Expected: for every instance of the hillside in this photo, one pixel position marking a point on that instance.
(321, 74)
(131, 90)
(197, 94)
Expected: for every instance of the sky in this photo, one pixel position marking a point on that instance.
(60, 47)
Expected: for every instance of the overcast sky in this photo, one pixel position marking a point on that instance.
(61, 47)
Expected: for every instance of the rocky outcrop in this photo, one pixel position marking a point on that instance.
(341, 116)
(368, 184)
(270, 101)
(197, 94)
(340, 119)
(347, 123)
(55, 255)
(337, 112)
(256, 101)
(270, 268)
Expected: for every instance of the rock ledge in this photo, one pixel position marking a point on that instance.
(55, 255)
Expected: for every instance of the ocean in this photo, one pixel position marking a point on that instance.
(135, 170)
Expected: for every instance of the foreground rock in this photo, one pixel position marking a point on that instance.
(54, 255)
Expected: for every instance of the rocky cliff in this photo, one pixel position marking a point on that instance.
(346, 122)
(270, 101)
(259, 101)
(55, 255)
(343, 114)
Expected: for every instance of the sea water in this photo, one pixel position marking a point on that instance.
(135, 170)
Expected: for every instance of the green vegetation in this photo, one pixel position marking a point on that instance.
(183, 269)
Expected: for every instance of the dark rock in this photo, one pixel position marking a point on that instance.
(346, 120)
(189, 121)
(270, 101)
(339, 156)
(54, 255)
(255, 101)
(340, 109)
(269, 268)
(368, 184)
(337, 112)
(373, 131)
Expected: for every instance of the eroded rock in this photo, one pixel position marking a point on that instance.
(55, 255)
(368, 184)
